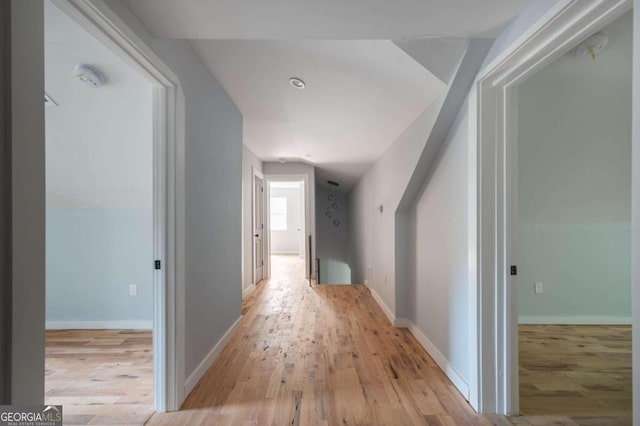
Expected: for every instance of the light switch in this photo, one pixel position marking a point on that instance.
(133, 290)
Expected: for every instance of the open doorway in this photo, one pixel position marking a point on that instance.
(287, 229)
(574, 230)
(100, 229)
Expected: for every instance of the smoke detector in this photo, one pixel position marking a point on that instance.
(296, 82)
(89, 76)
(591, 47)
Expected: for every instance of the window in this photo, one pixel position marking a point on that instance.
(278, 214)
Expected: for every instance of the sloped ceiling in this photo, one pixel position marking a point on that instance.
(359, 97)
(327, 19)
(371, 67)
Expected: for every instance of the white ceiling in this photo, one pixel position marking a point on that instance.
(363, 90)
(360, 96)
(98, 141)
(326, 19)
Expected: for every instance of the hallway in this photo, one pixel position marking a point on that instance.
(321, 355)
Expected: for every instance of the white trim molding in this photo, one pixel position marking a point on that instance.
(208, 360)
(247, 291)
(388, 313)
(99, 325)
(458, 381)
(575, 320)
(494, 310)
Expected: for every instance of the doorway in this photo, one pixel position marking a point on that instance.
(560, 30)
(167, 199)
(99, 228)
(287, 247)
(573, 230)
(258, 227)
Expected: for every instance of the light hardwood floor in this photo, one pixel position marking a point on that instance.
(325, 355)
(100, 376)
(579, 371)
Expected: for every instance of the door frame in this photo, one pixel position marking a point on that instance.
(99, 20)
(307, 216)
(257, 174)
(495, 320)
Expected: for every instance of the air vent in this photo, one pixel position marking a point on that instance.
(333, 183)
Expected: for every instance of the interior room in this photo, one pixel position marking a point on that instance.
(99, 229)
(287, 242)
(574, 230)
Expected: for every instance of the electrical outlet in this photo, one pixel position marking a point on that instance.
(537, 288)
(133, 290)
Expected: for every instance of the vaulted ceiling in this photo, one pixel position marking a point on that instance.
(370, 67)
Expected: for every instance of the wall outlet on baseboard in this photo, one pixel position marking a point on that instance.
(537, 288)
(133, 290)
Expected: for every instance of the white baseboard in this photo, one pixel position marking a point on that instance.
(247, 291)
(576, 320)
(453, 375)
(204, 365)
(438, 357)
(99, 325)
(383, 306)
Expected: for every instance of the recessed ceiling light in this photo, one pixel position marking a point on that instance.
(297, 83)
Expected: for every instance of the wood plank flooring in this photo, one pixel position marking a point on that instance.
(325, 355)
(576, 371)
(100, 376)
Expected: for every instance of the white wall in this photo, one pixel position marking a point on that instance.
(372, 233)
(288, 241)
(574, 186)
(447, 200)
(213, 191)
(438, 298)
(99, 150)
(280, 171)
(333, 241)
(250, 162)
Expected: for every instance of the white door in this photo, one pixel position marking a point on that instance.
(258, 228)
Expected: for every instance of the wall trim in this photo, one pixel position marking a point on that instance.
(247, 291)
(208, 360)
(575, 320)
(458, 381)
(383, 306)
(99, 325)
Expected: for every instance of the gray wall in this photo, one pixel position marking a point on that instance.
(92, 257)
(333, 241)
(574, 186)
(438, 298)
(213, 202)
(5, 209)
(213, 164)
(99, 184)
(28, 201)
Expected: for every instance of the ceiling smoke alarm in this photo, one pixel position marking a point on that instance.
(89, 76)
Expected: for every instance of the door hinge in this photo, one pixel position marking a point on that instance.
(262, 263)
(514, 270)
(157, 264)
